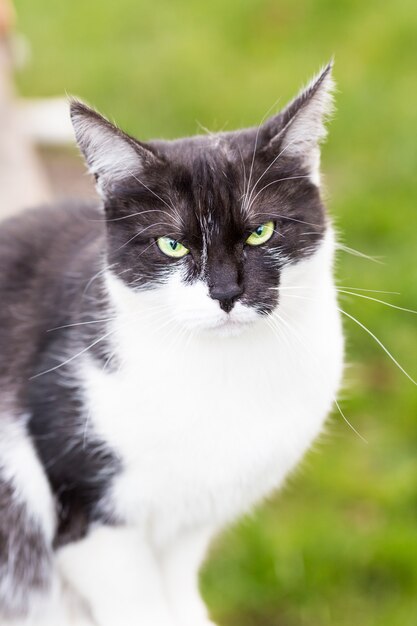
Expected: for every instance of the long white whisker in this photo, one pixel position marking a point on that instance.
(140, 233)
(367, 330)
(266, 170)
(70, 359)
(97, 274)
(243, 206)
(246, 199)
(362, 255)
(379, 342)
(308, 287)
(394, 293)
(319, 371)
(274, 182)
(139, 213)
(170, 206)
(244, 171)
(147, 248)
(126, 319)
(392, 306)
(106, 319)
(287, 217)
(348, 422)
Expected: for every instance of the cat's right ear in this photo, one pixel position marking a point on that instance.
(300, 128)
(111, 155)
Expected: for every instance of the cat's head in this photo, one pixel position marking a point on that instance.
(210, 223)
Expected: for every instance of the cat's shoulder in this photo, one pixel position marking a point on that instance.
(39, 222)
(42, 248)
(49, 231)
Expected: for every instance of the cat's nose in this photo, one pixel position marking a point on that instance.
(227, 296)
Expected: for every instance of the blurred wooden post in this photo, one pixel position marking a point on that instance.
(22, 181)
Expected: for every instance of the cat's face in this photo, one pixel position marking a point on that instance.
(210, 223)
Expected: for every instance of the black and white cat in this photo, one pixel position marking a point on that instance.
(166, 359)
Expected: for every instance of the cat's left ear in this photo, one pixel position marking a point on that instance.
(300, 128)
(111, 155)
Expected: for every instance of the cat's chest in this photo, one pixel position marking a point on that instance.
(207, 435)
(201, 455)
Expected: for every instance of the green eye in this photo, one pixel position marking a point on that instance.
(172, 247)
(261, 234)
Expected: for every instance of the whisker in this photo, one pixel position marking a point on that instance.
(379, 342)
(243, 206)
(244, 172)
(290, 327)
(362, 255)
(274, 182)
(170, 206)
(70, 359)
(97, 274)
(394, 293)
(106, 319)
(141, 232)
(267, 169)
(138, 213)
(147, 248)
(125, 319)
(287, 217)
(309, 287)
(351, 426)
(246, 199)
(392, 306)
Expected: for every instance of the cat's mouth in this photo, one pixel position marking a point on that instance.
(235, 322)
(220, 326)
(230, 327)
(196, 310)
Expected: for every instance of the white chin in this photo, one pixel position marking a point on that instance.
(229, 327)
(229, 324)
(223, 327)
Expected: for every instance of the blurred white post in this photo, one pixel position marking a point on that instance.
(22, 181)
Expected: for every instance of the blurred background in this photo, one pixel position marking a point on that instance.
(338, 546)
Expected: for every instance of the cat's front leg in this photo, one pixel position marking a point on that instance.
(180, 562)
(115, 571)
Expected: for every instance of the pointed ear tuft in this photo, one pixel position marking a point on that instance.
(302, 123)
(111, 155)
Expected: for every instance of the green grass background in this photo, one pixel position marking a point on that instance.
(339, 545)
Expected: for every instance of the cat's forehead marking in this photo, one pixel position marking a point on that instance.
(220, 180)
(206, 223)
(222, 145)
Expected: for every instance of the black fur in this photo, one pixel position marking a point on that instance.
(51, 280)
(47, 258)
(200, 178)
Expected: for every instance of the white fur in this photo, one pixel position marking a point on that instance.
(109, 155)
(206, 425)
(23, 470)
(307, 128)
(116, 570)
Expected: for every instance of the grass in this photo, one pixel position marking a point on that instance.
(339, 545)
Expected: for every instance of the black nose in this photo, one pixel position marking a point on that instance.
(226, 296)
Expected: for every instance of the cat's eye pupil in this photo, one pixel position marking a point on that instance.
(172, 247)
(261, 234)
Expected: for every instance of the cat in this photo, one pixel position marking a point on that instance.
(167, 357)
